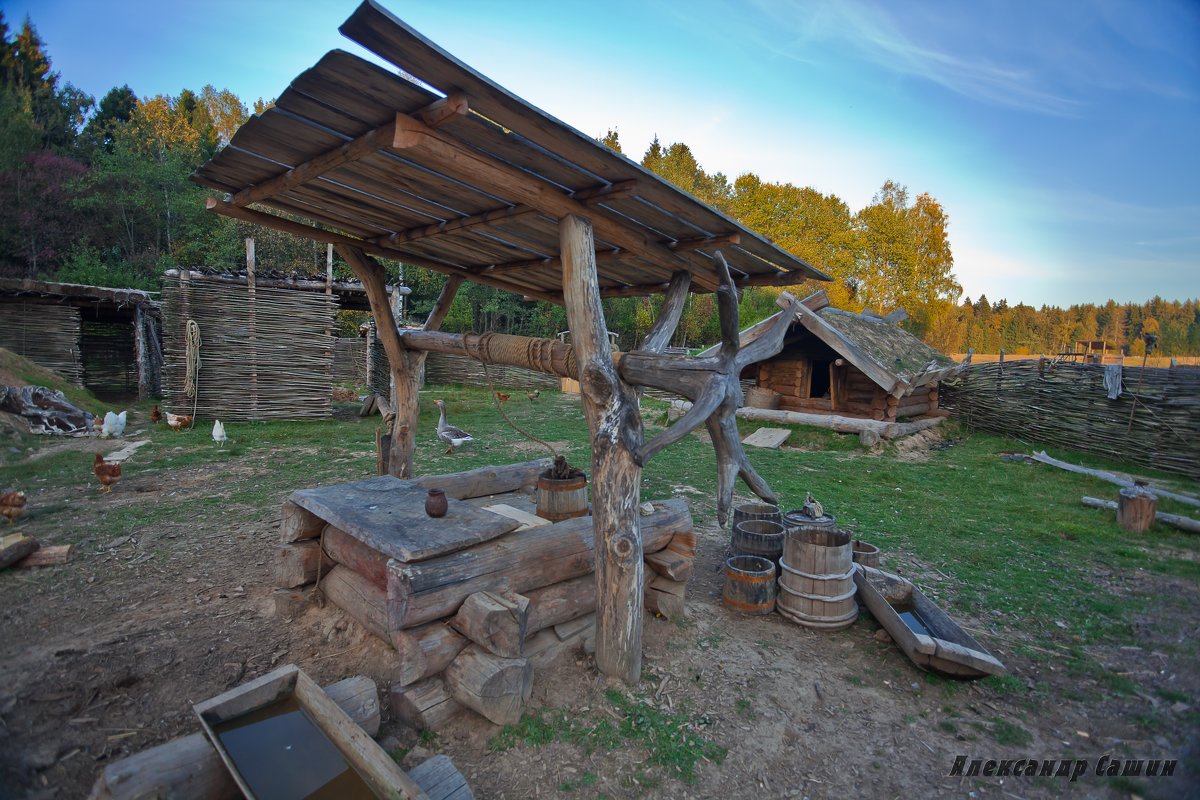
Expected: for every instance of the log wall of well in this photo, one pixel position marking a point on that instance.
(471, 627)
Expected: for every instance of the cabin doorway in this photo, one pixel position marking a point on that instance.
(819, 382)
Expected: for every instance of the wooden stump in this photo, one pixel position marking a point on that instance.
(1135, 509)
(495, 687)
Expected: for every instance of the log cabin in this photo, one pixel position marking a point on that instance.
(852, 365)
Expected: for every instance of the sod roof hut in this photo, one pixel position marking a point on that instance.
(852, 365)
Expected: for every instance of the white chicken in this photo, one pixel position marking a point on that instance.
(455, 437)
(219, 433)
(114, 425)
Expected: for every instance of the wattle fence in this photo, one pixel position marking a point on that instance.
(1154, 421)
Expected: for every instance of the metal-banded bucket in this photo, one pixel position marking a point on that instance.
(794, 520)
(758, 537)
(816, 586)
(559, 499)
(756, 511)
(750, 585)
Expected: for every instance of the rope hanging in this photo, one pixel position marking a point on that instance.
(191, 381)
(484, 347)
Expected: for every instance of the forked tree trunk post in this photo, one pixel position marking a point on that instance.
(405, 364)
(615, 424)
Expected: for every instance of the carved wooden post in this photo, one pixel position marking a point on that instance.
(616, 426)
(405, 365)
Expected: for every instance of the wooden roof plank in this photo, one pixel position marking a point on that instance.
(382, 33)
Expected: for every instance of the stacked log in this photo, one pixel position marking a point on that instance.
(469, 627)
(788, 377)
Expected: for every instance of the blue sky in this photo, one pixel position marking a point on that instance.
(1060, 136)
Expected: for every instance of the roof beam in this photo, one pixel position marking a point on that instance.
(330, 237)
(602, 256)
(436, 113)
(451, 157)
(494, 216)
(686, 245)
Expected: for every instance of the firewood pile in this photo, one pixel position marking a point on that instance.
(470, 626)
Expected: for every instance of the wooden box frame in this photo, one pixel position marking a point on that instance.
(374, 765)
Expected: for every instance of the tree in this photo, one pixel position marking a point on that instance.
(611, 140)
(904, 257)
(116, 108)
(812, 226)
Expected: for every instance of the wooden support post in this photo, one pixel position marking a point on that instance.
(252, 326)
(615, 424)
(405, 365)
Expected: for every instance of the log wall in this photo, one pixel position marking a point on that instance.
(471, 627)
(1067, 405)
(852, 393)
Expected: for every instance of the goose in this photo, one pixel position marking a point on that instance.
(455, 437)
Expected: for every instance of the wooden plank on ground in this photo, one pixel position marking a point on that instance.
(388, 514)
(526, 519)
(769, 438)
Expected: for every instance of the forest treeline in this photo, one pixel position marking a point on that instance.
(97, 192)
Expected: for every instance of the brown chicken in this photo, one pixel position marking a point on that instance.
(502, 397)
(106, 472)
(534, 395)
(155, 415)
(12, 505)
(178, 421)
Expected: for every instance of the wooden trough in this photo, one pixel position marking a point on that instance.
(475, 601)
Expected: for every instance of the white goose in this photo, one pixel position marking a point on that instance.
(455, 437)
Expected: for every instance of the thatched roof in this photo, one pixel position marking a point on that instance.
(467, 179)
(892, 347)
(886, 353)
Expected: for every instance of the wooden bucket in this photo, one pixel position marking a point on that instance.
(758, 537)
(793, 520)
(816, 586)
(562, 499)
(758, 397)
(865, 553)
(755, 511)
(749, 585)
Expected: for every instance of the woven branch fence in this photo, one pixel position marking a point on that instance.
(350, 356)
(47, 335)
(267, 359)
(1067, 405)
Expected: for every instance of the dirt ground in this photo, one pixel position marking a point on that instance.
(104, 656)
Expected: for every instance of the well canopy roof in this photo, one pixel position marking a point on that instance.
(441, 168)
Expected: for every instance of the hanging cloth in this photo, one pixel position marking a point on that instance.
(1112, 380)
